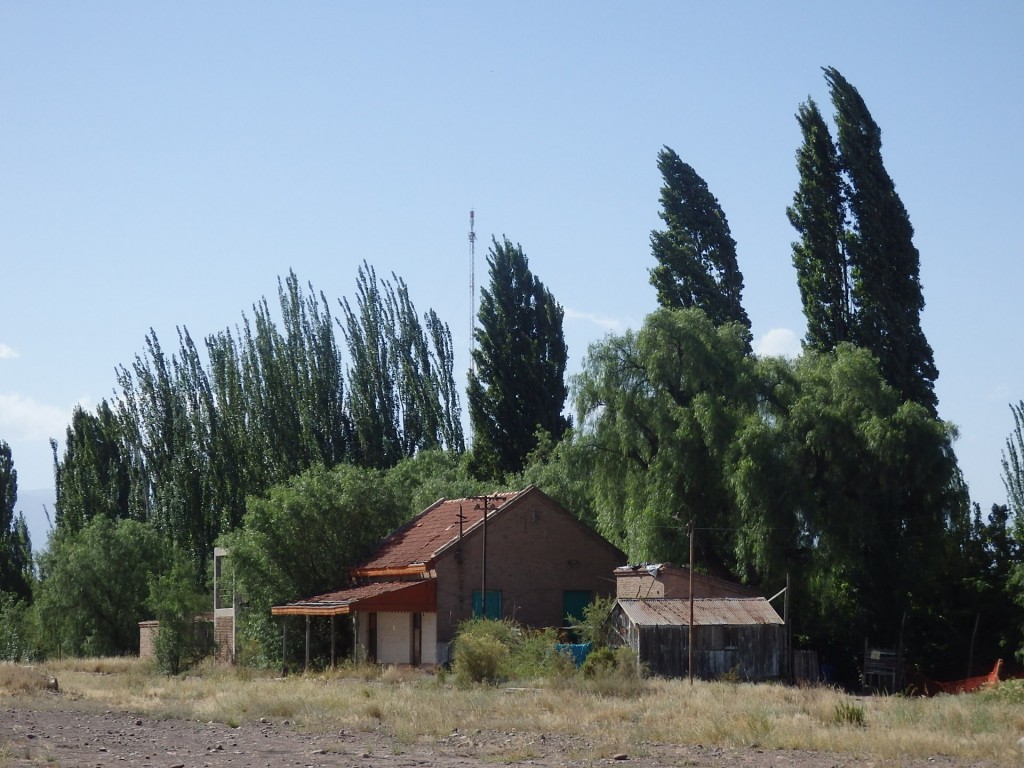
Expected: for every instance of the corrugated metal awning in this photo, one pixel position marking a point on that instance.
(706, 612)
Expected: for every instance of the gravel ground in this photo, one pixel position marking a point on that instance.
(51, 735)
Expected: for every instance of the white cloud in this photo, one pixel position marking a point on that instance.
(7, 353)
(778, 342)
(608, 323)
(22, 418)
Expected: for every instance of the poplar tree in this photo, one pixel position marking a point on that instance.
(886, 264)
(517, 386)
(401, 393)
(818, 213)
(15, 545)
(695, 252)
(857, 266)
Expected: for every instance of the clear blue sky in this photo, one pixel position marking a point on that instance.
(162, 164)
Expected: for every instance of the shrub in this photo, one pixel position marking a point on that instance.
(597, 626)
(490, 651)
(479, 658)
(15, 644)
(182, 640)
(609, 672)
(848, 714)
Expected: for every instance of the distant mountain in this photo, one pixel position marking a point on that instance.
(35, 505)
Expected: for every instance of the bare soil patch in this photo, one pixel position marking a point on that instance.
(51, 731)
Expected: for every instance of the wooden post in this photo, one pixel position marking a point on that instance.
(689, 641)
(307, 641)
(789, 634)
(970, 655)
(284, 646)
(333, 662)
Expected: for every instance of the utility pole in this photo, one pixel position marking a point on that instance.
(483, 558)
(472, 288)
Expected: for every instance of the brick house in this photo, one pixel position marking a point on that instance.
(517, 555)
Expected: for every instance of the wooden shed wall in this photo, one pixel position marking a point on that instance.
(753, 652)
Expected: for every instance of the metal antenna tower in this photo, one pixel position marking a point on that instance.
(472, 289)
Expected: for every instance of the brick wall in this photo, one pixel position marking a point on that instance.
(536, 551)
(223, 636)
(147, 639)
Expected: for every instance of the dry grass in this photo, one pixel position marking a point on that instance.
(411, 705)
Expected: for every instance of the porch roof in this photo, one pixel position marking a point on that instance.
(399, 596)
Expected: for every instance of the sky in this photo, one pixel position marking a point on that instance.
(162, 165)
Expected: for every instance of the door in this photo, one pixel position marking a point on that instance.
(417, 639)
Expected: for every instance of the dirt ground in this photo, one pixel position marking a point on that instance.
(62, 737)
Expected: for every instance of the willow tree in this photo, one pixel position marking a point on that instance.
(659, 411)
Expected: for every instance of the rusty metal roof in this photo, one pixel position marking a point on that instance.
(357, 598)
(419, 540)
(706, 611)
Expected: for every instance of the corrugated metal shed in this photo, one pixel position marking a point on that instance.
(668, 612)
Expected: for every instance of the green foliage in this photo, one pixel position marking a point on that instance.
(93, 587)
(597, 626)
(481, 651)
(658, 412)
(15, 544)
(857, 267)
(1007, 692)
(611, 672)
(1013, 480)
(1013, 469)
(814, 468)
(818, 214)
(420, 480)
(517, 385)
(302, 538)
(187, 441)
(848, 713)
(492, 651)
(696, 254)
(16, 636)
(873, 490)
(93, 478)
(401, 394)
(562, 470)
(183, 639)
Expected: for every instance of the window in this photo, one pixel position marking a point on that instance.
(493, 604)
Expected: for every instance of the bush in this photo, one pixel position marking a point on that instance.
(182, 640)
(599, 662)
(15, 644)
(490, 651)
(612, 672)
(479, 658)
(597, 626)
(847, 713)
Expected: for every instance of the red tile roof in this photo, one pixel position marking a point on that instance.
(418, 541)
